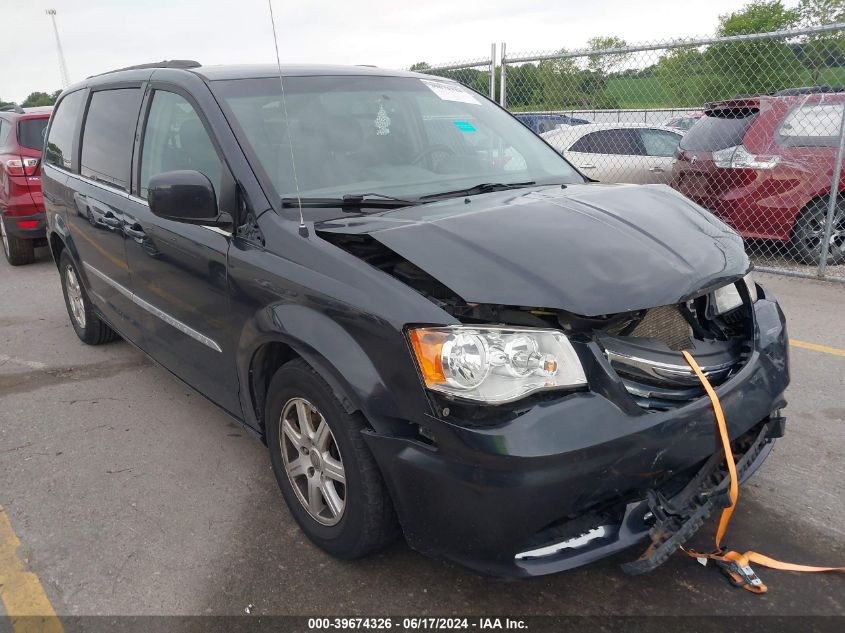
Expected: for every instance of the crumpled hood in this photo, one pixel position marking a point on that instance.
(590, 249)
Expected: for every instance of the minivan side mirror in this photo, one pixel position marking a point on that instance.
(185, 196)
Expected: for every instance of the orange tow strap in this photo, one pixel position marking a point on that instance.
(736, 565)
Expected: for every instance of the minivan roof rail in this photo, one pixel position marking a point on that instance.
(13, 107)
(167, 63)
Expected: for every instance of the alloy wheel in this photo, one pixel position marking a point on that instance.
(74, 295)
(814, 235)
(312, 461)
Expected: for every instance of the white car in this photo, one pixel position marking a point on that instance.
(618, 152)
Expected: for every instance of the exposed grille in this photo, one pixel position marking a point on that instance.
(666, 324)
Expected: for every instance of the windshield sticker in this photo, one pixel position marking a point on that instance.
(382, 122)
(464, 126)
(450, 92)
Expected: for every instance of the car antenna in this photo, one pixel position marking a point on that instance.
(303, 230)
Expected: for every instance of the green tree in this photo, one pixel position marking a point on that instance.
(757, 66)
(571, 82)
(684, 75)
(41, 99)
(3, 104)
(606, 64)
(524, 87)
(420, 67)
(822, 50)
(758, 16)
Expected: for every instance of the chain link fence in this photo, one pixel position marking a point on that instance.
(750, 127)
(478, 74)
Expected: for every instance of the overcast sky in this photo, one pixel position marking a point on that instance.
(99, 35)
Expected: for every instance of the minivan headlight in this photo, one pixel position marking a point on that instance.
(493, 364)
(727, 297)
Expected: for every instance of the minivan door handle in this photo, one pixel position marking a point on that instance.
(587, 166)
(656, 169)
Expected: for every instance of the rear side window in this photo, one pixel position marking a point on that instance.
(60, 141)
(5, 128)
(108, 134)
(814, 125)
(660, 142)
(620, 142)
(583, 144)
(31, 133)
(719, 129)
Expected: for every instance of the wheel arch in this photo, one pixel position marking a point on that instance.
(328, 348)
(56, 245)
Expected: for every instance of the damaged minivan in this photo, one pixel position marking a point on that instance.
(439, 327)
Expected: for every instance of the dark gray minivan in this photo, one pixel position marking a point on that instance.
(439, 327)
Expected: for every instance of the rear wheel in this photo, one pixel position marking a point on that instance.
(327, 474)
(87, 325)
(17, 251)
(808, 234)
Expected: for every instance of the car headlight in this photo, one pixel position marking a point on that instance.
(727, 298)
(494, 364)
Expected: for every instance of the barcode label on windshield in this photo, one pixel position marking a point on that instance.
(450, 92)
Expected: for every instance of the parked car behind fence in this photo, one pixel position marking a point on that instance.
(764, 165)
(618, 152)
(540, 123)
(684, 123)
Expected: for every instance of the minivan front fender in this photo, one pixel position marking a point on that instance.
(356, 377)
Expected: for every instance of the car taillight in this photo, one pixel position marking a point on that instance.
(737, 157)
(27, 224)
(22, 166)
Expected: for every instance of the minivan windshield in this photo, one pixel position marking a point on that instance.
(403, 137)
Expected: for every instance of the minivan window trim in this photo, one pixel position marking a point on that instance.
(93, 183)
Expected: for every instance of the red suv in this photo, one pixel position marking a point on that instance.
(764, 165)
(22, 220)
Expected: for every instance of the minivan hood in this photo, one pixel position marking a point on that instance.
(590, 249)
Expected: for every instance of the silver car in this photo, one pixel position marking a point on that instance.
(618, 152)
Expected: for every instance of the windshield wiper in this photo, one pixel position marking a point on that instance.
(485, 187)
(350, 201)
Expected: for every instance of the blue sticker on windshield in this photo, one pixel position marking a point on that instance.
(464, 126)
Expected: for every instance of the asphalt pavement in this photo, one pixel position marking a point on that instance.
(130, 494)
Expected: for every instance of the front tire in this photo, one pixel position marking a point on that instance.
(18, 251)
(327, 475)
(88, 326)
(808, 233)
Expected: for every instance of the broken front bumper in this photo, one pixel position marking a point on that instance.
(576, 471)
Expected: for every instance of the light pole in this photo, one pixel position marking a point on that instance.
(62, 64)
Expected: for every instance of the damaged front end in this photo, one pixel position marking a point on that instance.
(567, 474)
(643, 346)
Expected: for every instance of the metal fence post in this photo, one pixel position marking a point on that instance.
(834, 195)
(503, 101)
(493, 72)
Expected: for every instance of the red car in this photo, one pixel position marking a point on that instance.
(22, 220)
(764, 165)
